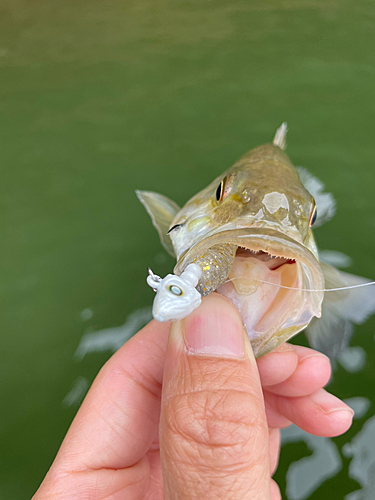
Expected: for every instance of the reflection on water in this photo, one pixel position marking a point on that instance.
(308, 473)
(111, 339)
(362, 466)
(86, 314)
(77, 393)
(359, 405)
(353, 359)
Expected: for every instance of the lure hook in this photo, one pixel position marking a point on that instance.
(153, 280)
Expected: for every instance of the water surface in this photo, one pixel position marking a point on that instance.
(98, 99)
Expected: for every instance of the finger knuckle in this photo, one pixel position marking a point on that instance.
(226, 427)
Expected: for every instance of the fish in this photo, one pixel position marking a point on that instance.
(249, 236)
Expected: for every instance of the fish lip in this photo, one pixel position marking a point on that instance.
(271, 241)
(252, 228)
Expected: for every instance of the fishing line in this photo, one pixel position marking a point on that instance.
(360, 285)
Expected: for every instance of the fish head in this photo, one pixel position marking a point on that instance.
(261, 209)
(260, 206)
(261, 190)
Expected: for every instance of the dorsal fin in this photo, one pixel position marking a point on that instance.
(280, 136)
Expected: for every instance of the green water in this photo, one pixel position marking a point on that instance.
(100, 98)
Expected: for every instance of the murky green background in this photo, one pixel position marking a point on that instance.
(100, 98)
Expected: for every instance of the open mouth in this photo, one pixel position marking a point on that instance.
(265, 274)
(259, 286)
(271, 261)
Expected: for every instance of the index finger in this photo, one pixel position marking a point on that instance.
(119, 417)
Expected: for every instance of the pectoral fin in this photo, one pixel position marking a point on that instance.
(162, 211)
(325, 202)
(340, 311)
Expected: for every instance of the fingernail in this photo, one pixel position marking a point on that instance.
(215, 329)
(329, 403)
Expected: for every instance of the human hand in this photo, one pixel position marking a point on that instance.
(216, 438)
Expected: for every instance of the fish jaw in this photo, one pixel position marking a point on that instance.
(271, 314)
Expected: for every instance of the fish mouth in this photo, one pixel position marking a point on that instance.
(268, 281)
(273, 261)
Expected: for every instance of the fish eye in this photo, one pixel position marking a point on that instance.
(313, 216)
(176, 290)
(220, 191)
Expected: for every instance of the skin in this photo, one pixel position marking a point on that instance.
(163, 420)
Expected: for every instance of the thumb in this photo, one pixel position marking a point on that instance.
(213, 428)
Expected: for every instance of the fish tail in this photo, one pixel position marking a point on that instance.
(280, 136)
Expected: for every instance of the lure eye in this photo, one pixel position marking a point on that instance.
(313, 216)
(176, 290)
(220, 191)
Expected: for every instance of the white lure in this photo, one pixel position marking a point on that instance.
(176, 296)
